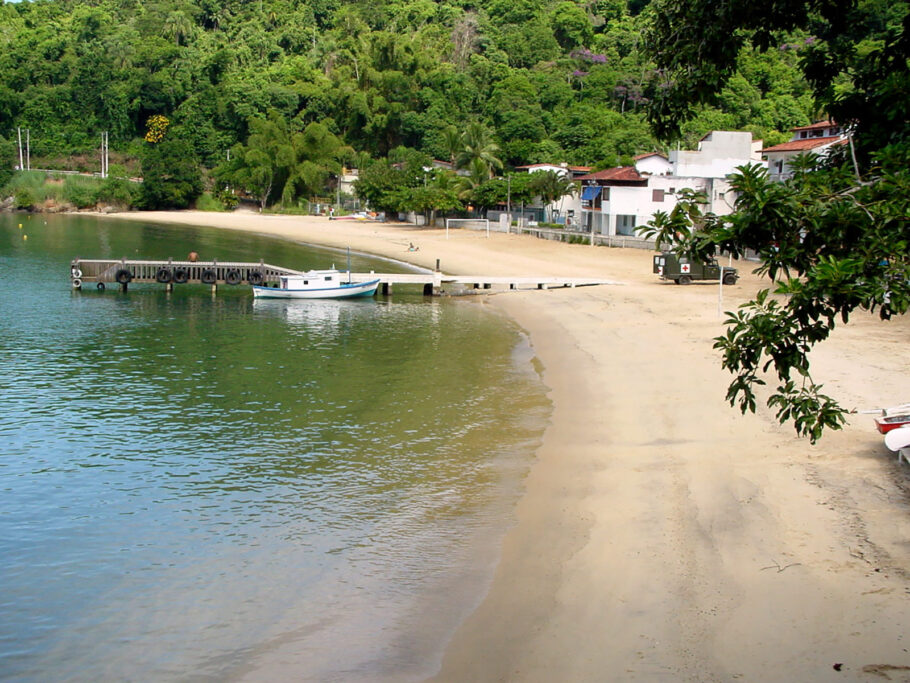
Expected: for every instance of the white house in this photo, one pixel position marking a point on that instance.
(818, 138)
(617, 200)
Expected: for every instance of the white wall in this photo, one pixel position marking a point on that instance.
(654, 164)
(547, 167)
(718, 155)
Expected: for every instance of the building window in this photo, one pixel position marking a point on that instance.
(657, 195)
(803, 134)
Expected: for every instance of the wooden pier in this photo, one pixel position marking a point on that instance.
(103, 273)
(123, 272)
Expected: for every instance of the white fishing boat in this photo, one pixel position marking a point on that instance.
(317, 284)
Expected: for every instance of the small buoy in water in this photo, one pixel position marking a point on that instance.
(20, 226)
(25, 237)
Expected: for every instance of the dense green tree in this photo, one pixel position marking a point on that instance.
(260, 165)
(834, 238)
(313, 156)
(544, 77)
(8, 160)
(171, 178)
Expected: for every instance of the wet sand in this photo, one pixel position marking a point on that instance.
(662, 535)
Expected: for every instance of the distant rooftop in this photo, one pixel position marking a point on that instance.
(804, 144)
(620, 173)
(815, 126)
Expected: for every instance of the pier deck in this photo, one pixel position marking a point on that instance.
(123, 272)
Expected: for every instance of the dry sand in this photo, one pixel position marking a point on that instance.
(662, 535)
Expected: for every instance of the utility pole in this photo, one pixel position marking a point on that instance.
(21, 163)
(105, 160)
(28, 149)
(509, 201)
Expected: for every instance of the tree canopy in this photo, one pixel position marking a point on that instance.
(540, 80)
(834, 238)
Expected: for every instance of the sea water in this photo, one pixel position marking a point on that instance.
(198, 486)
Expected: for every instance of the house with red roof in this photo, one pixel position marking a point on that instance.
(818, 138)
(618, 200)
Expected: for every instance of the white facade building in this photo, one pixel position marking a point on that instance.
(817, 139)
(618, 200)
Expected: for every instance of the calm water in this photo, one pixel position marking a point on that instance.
(198, 487)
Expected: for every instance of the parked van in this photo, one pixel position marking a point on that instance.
(669, 266)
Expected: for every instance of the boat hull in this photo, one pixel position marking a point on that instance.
(345, 291)
(886, 424)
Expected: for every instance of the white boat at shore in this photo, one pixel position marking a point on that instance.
(317, 284)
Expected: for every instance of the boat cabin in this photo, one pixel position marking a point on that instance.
(312, 279)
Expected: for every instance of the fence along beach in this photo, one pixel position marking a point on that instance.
(661, 533)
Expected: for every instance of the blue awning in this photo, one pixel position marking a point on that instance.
(590, 192)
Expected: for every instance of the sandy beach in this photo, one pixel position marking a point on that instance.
(662, 535)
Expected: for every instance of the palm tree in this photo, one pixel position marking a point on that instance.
(451, 141)
(479, 174)
(178, 27)
(551, 186)
(478, 147)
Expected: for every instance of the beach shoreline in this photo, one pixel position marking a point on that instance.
(661, 534)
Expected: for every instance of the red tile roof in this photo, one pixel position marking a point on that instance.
(815, 126)
(638, 157)
(622, 173)
(803, 145)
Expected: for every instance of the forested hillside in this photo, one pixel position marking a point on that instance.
(543, 80)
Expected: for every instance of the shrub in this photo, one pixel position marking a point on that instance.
(24, 198)
(207, 202)
(80, 192)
